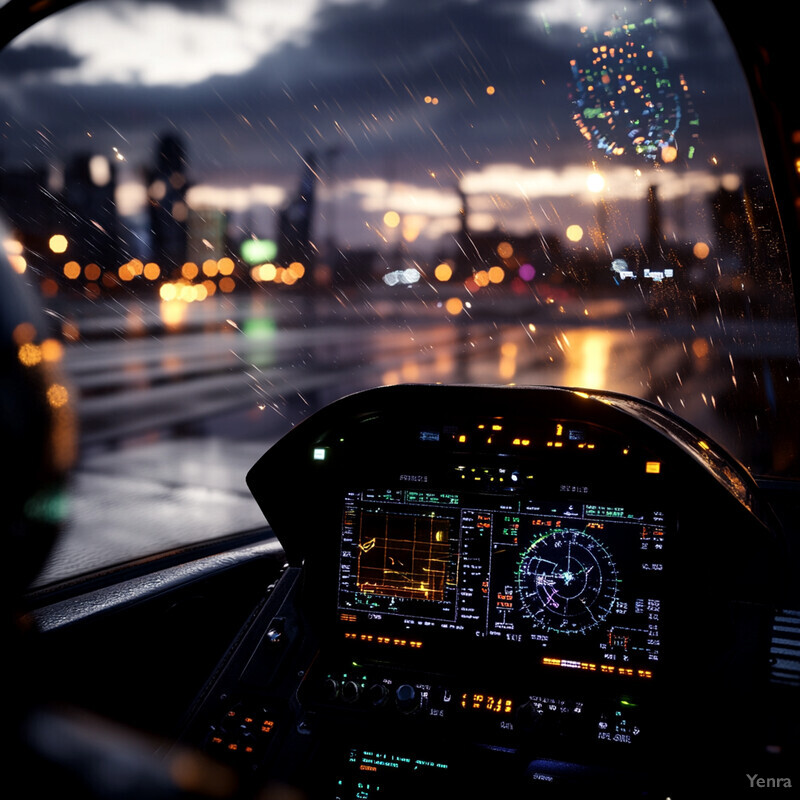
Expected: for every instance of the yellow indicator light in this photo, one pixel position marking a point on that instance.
(653, 467)
(559, 430)
(462, 438)
(608, 669)
(497, 427)
(703, 445)
(516, 441)
(559, 444)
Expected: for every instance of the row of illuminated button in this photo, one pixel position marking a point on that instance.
(240, 732)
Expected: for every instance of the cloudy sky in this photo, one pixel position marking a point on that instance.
(403, 101)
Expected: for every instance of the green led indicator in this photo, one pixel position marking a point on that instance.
(320, 453)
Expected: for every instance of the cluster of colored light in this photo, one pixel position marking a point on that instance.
(44, 356)
(607, 669)
(270, 273)
(512, 271)
(14, 250)
(371, 638)
(627, 100)
(218, 275)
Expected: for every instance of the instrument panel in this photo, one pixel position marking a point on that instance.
(496, 584)
(576, 583)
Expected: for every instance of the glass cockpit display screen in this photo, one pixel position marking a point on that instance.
(581, 581)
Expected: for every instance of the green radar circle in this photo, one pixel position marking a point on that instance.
(566, 581)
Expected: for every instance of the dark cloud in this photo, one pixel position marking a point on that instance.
(17, 63)
(357, 82)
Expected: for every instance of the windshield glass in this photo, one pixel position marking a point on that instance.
(238, 211)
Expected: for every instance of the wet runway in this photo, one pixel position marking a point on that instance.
(174, 412)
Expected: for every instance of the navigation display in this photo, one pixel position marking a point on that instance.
(581, 580)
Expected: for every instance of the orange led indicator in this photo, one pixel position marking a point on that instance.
(653, 467)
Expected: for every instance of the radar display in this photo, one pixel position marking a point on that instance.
(399, 560)
(567, 581)
(403, 556)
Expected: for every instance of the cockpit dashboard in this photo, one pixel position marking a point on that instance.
(543, 587)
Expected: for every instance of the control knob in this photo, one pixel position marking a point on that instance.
(406, 698)
(351, 691)
(377, 695)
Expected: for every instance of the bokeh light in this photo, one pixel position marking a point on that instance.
(391, 219)
(574, 233)
(58, 243)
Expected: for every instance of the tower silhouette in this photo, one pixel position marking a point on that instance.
(167, 187)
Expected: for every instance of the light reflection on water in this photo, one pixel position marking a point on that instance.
(255, 366)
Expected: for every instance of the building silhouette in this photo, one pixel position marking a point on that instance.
(167, 185)
(89, 216)
(295, 220)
